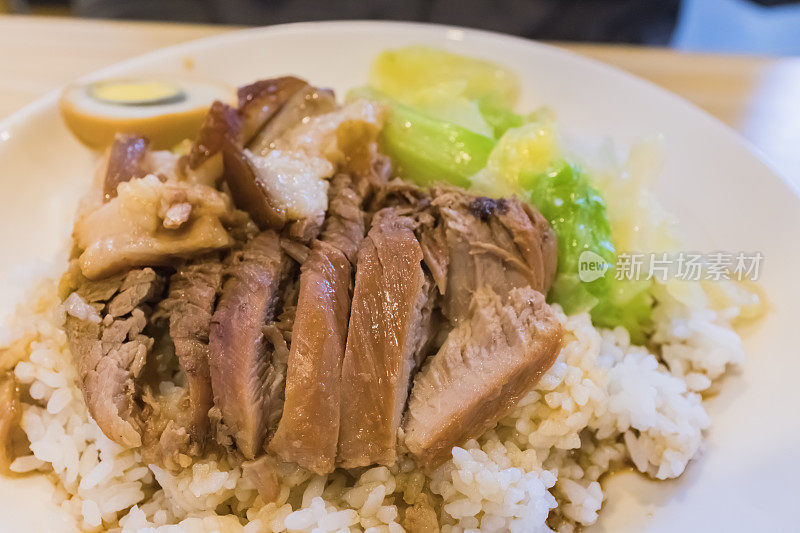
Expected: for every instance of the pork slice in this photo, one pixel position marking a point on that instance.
(107, 371)
(304, 103)
(345, 225)
(190, 303)
(501, 244)
(260, 101)
(125, 161)
(400, 193)
(263, 474)
(309, 428)
(192, 295)
(435, 249)
(388, 331)
(111, 353)
(10, 431)
(485, 366)
(138, 286)
(242, 372)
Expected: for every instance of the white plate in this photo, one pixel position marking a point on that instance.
(745, 479)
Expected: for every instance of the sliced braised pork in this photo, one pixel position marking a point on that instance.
(105, 325)
(487, 363)
(242, 371)
(10, 413)
(309, 429)
(475, 242)
(190, 303)
(225, 127)
(389, 330)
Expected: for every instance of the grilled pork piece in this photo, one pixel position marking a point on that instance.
(500, 349)
(389, 331)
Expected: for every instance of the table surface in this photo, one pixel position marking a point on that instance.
(758, 96)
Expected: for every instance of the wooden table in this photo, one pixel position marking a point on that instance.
(760, 97)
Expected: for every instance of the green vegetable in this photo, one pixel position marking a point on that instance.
(404, 73)
(629, 303)
(427, 150)
(446, 103)
(585, 278)
(499, 118)
(530, 148)
(577, 214)
(474, 94)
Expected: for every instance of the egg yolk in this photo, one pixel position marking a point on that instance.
(135, 92)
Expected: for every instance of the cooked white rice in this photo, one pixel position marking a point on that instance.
(605, 403)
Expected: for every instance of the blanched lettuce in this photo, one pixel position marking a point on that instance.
(577, 214)
(530, 148)
(474, 94)
(427, 150)
(405, 72)
(499, 118)
(628, 303)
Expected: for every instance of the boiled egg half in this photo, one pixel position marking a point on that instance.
(166, 112)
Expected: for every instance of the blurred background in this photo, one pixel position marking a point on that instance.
(745, 26)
